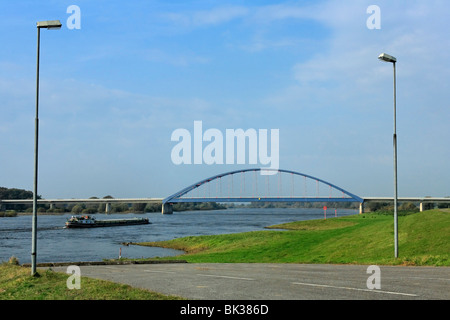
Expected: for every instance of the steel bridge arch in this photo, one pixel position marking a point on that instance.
(176, 197)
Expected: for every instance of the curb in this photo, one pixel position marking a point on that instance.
(101, 263)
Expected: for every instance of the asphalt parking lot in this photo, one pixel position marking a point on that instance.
(258, 281)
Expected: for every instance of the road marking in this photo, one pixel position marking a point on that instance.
(426, 278)
(226, 277)
(356, 289)
(157, 271)
(112, 268)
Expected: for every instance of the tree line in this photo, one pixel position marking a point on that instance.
(287, 204)
(83, 208)
(369, 207)
(91, 208)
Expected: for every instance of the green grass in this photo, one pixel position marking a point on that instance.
(424, 239)
(16, 283)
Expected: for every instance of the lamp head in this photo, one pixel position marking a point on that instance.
(387, 58)
(50, 24)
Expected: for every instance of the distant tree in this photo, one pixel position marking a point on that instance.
(91, 207)
(408, 206)
(138, 207)
(152, 207)
(444, 205)
(14, 193)
(89, 210)
(119, 207)
(375, 206)
(428, 206)
(78, 208)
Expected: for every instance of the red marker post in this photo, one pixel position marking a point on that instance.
(325, 212)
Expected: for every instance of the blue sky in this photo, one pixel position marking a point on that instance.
(113, 91)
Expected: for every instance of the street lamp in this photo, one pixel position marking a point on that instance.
(388, 58)
(50, 25)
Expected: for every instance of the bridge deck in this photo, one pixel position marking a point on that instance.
(226, 199)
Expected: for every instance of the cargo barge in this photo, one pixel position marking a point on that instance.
(90, 222)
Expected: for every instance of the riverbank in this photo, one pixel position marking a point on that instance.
(424, 240)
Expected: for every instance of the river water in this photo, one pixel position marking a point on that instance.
(56, 244)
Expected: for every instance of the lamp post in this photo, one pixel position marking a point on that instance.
(388, 58)
(53, 24)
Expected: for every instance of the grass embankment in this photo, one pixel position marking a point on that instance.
(16, 283)
(424, 239)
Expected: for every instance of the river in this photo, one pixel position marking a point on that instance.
(57, 244)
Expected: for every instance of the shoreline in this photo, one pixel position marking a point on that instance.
(100, 263)
(3, 214)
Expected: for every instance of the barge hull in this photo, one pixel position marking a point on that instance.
(106, 223)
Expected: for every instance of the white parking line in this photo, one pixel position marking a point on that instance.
(426, 278)
(357, 289)
(157, 271)
(226, 277)
(111, 268)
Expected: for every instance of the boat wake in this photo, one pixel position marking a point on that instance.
(28, 229)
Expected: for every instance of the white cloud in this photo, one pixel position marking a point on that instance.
(178, 59)
(271, 13)
(202, 18)
(218, 15)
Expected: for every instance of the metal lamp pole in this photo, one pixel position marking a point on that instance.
(387, 58)
(54, 24)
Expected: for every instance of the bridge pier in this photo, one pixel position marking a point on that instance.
(421, 206)
(108, 208)
(361, 207)
(166, 208)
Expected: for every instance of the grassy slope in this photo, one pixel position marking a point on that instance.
(16, 283)
(424, 239)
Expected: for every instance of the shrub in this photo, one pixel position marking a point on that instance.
(14, 261)
(408, 206)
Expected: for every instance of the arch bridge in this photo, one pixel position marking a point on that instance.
(260, 184)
